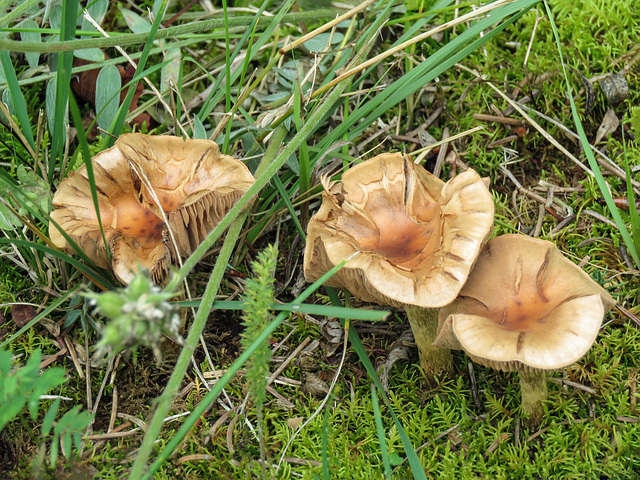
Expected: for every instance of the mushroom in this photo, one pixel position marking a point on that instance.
(525, 308)
(142, 183)
(416, 239)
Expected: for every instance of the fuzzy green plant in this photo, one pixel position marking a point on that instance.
(259, 293)
(139, 314)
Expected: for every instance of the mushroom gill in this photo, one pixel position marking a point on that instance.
(416, 238)
(140, 181)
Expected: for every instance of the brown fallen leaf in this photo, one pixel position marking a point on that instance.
(313, 385)
(22, 314)
(294, 422)
(610, 124)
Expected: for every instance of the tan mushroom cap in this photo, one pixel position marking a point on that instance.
(524, 306)
(195, 186)
(417, 237)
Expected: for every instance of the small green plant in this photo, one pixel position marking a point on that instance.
(24, 386)
(140, 314)
(259, 293)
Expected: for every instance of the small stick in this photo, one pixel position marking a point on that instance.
(442, 153)
(566, 422)
(428, 148)
(288, 360)
(474, 386)
(325, 27)
(514, 122)
(569, 383)
(494, 445)
(74, 357)
(408, 43)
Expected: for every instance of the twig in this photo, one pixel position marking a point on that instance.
(325, 27)
(324, 400)
(566, 422)
(442, 153)
(398, 48)
(561, 381)
(514, 122)
(428, 148)
(531, 121)
(288, 360)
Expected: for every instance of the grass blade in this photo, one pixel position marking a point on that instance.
(18, 99)
(63, 82)
(412, 456)
(228, 375)
(124, 107)
(602, 184)
(382, 438)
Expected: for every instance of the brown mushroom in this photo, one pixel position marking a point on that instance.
(141, 182)
(525, 308)
(416, 239)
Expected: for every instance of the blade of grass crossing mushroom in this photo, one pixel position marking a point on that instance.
(602, 184)
(191, 342)
(210, 397)
(264, 174)
(84, 146)
(412, 456)
(266, 170)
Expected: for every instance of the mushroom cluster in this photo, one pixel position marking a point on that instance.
(515, 304)
(158, 196)
(416, 238)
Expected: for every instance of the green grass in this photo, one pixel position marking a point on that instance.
(460, 429)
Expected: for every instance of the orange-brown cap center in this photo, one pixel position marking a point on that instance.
(137, 221)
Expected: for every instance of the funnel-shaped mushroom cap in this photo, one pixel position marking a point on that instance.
(417, 237)
(194, 184)
(524, 306)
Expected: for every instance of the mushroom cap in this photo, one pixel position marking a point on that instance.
(193, 184)
(417, 237)
(525, 306)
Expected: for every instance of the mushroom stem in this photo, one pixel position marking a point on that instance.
(533, 388)
(435, 362)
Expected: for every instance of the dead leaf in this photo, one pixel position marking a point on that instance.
(399, 351)
(295, 422)
(609, 125)
(22, 314)
(312, 385)
(51, 326)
